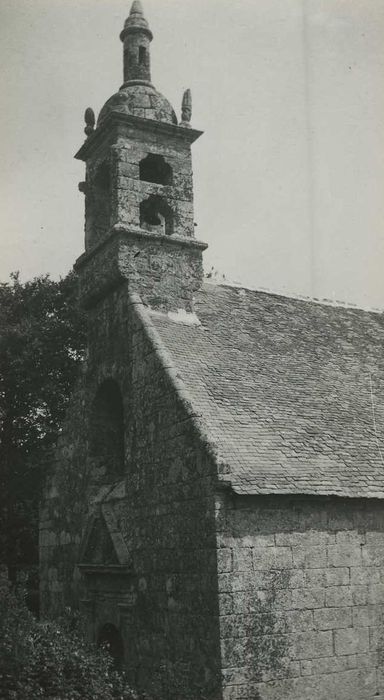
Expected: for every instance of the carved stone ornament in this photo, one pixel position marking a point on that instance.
(186, 108)
(89, 118)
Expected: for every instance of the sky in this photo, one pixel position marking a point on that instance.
(289, 174)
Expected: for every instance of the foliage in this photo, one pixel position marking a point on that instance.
(41, 347)
(51, 660)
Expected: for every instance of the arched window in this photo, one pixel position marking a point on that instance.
(111, 640)
(107, 430)
(156, 215)
(154, 168)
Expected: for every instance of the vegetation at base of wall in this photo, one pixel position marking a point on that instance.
(51, 660)
(42, 340)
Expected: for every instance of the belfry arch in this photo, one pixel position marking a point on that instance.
(156, 215)
(154, 168)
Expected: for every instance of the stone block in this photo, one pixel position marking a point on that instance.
(310, 557)
(332, 664)
(350, 537)
(351, 641)
(376, 594)
(127, 169)
(367, 616)
(262, 541)
(299, 620)
(242, 559)
(281, 599)
(314, 578)
(338, 596)
(332, 618)
(224, 560)
(311, 645)
(344, 555)
(272, 558)
(306, 668)
(362, 576)
(373, 553)
(233, 651)
(375, 639)
(374, 538)
(309, 538)
(308, 598)
(297, 578)
(359, 595)
(338, 577)
(267, 623)
(370, 660)
(226, 604)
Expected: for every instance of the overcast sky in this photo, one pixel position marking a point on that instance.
(289, 175)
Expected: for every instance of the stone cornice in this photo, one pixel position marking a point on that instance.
(115, 119)
(119, 231)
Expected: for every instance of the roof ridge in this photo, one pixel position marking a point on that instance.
(335, 303)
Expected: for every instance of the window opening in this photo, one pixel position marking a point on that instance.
(154, 168)
(156, 215)
(142, 55)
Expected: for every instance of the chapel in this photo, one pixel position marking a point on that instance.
(215, 506)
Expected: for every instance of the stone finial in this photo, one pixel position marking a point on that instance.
(136, 21)
(186, 108)
(89, 118)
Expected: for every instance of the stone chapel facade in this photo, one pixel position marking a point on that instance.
(216, 503)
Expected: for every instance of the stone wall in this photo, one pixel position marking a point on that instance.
(301, 588)
(164, 601)
(166, 270)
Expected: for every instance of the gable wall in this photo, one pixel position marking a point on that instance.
(301, 589)
(166, 608)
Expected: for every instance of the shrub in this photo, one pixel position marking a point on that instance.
(51, 660)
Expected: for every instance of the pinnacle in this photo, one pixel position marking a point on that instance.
(136, 8)
(136, 20)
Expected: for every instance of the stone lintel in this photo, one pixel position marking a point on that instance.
(115, 119)
(104, 569)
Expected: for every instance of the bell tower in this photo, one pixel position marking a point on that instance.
(139, 221)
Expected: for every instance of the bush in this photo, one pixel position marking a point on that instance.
(51, 660)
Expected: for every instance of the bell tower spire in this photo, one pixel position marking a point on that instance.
(136, 37)
(139, 216)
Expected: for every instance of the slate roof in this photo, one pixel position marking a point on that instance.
(291, 391)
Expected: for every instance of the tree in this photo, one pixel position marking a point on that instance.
(42, 342)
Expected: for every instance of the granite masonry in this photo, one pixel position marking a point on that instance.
(215, 505)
